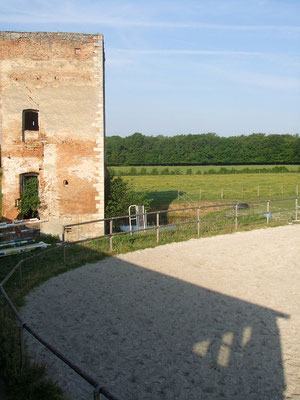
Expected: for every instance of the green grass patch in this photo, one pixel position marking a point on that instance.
(184, 189)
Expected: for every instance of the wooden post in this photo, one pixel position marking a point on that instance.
(222, 193)
(157, 227)
(268, 210)
(258, 191)
(296, 209)
(198, 220)
(236, 217)
(110, 234)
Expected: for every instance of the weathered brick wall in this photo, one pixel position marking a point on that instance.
(62, 76)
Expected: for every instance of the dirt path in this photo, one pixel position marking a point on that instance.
(213, 318)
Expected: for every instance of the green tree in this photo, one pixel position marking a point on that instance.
(120, 195)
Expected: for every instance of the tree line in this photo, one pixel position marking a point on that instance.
(205, 149)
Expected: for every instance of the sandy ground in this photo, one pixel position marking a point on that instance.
(212, 318)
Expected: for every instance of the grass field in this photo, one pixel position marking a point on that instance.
(195, 169)
(182, 189)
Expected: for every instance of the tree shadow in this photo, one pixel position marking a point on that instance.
(146, 335)
(163, 198)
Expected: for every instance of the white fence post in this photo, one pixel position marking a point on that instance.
(110, 234)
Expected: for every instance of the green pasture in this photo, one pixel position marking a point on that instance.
(195, 169)
(183, 189)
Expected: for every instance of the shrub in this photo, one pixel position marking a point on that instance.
(120, 195)
(188, 171)
(30, 200)
(143, 171)
(132, 171)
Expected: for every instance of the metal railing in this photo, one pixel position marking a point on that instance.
(98, 388)
(158, 226)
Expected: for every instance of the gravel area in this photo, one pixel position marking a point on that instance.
(212, 318)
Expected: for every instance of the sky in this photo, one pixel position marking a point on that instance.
(176, 67)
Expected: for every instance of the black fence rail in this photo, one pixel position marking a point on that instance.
(98, 388)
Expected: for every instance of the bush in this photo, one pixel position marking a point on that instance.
(188, 171)
(132, 171)
(120, 195)
(30, 201)
(143, 171)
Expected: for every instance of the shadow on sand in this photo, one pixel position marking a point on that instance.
(146, 335)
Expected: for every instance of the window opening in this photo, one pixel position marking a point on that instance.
(30, 121)
(24, 178)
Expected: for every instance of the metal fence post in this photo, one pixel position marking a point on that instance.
(110, 234)
(157, 227)
(296, 209)
(236, 216)
(64, 254)
(198, 220)
(21, 338)
(96, 393)
(64, 247)
(20, 276)
(268, 211)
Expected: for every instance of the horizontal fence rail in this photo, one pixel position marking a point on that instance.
(98, 388)
(236, 215)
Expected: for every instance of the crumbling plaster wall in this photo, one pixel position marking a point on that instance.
(62, 76)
